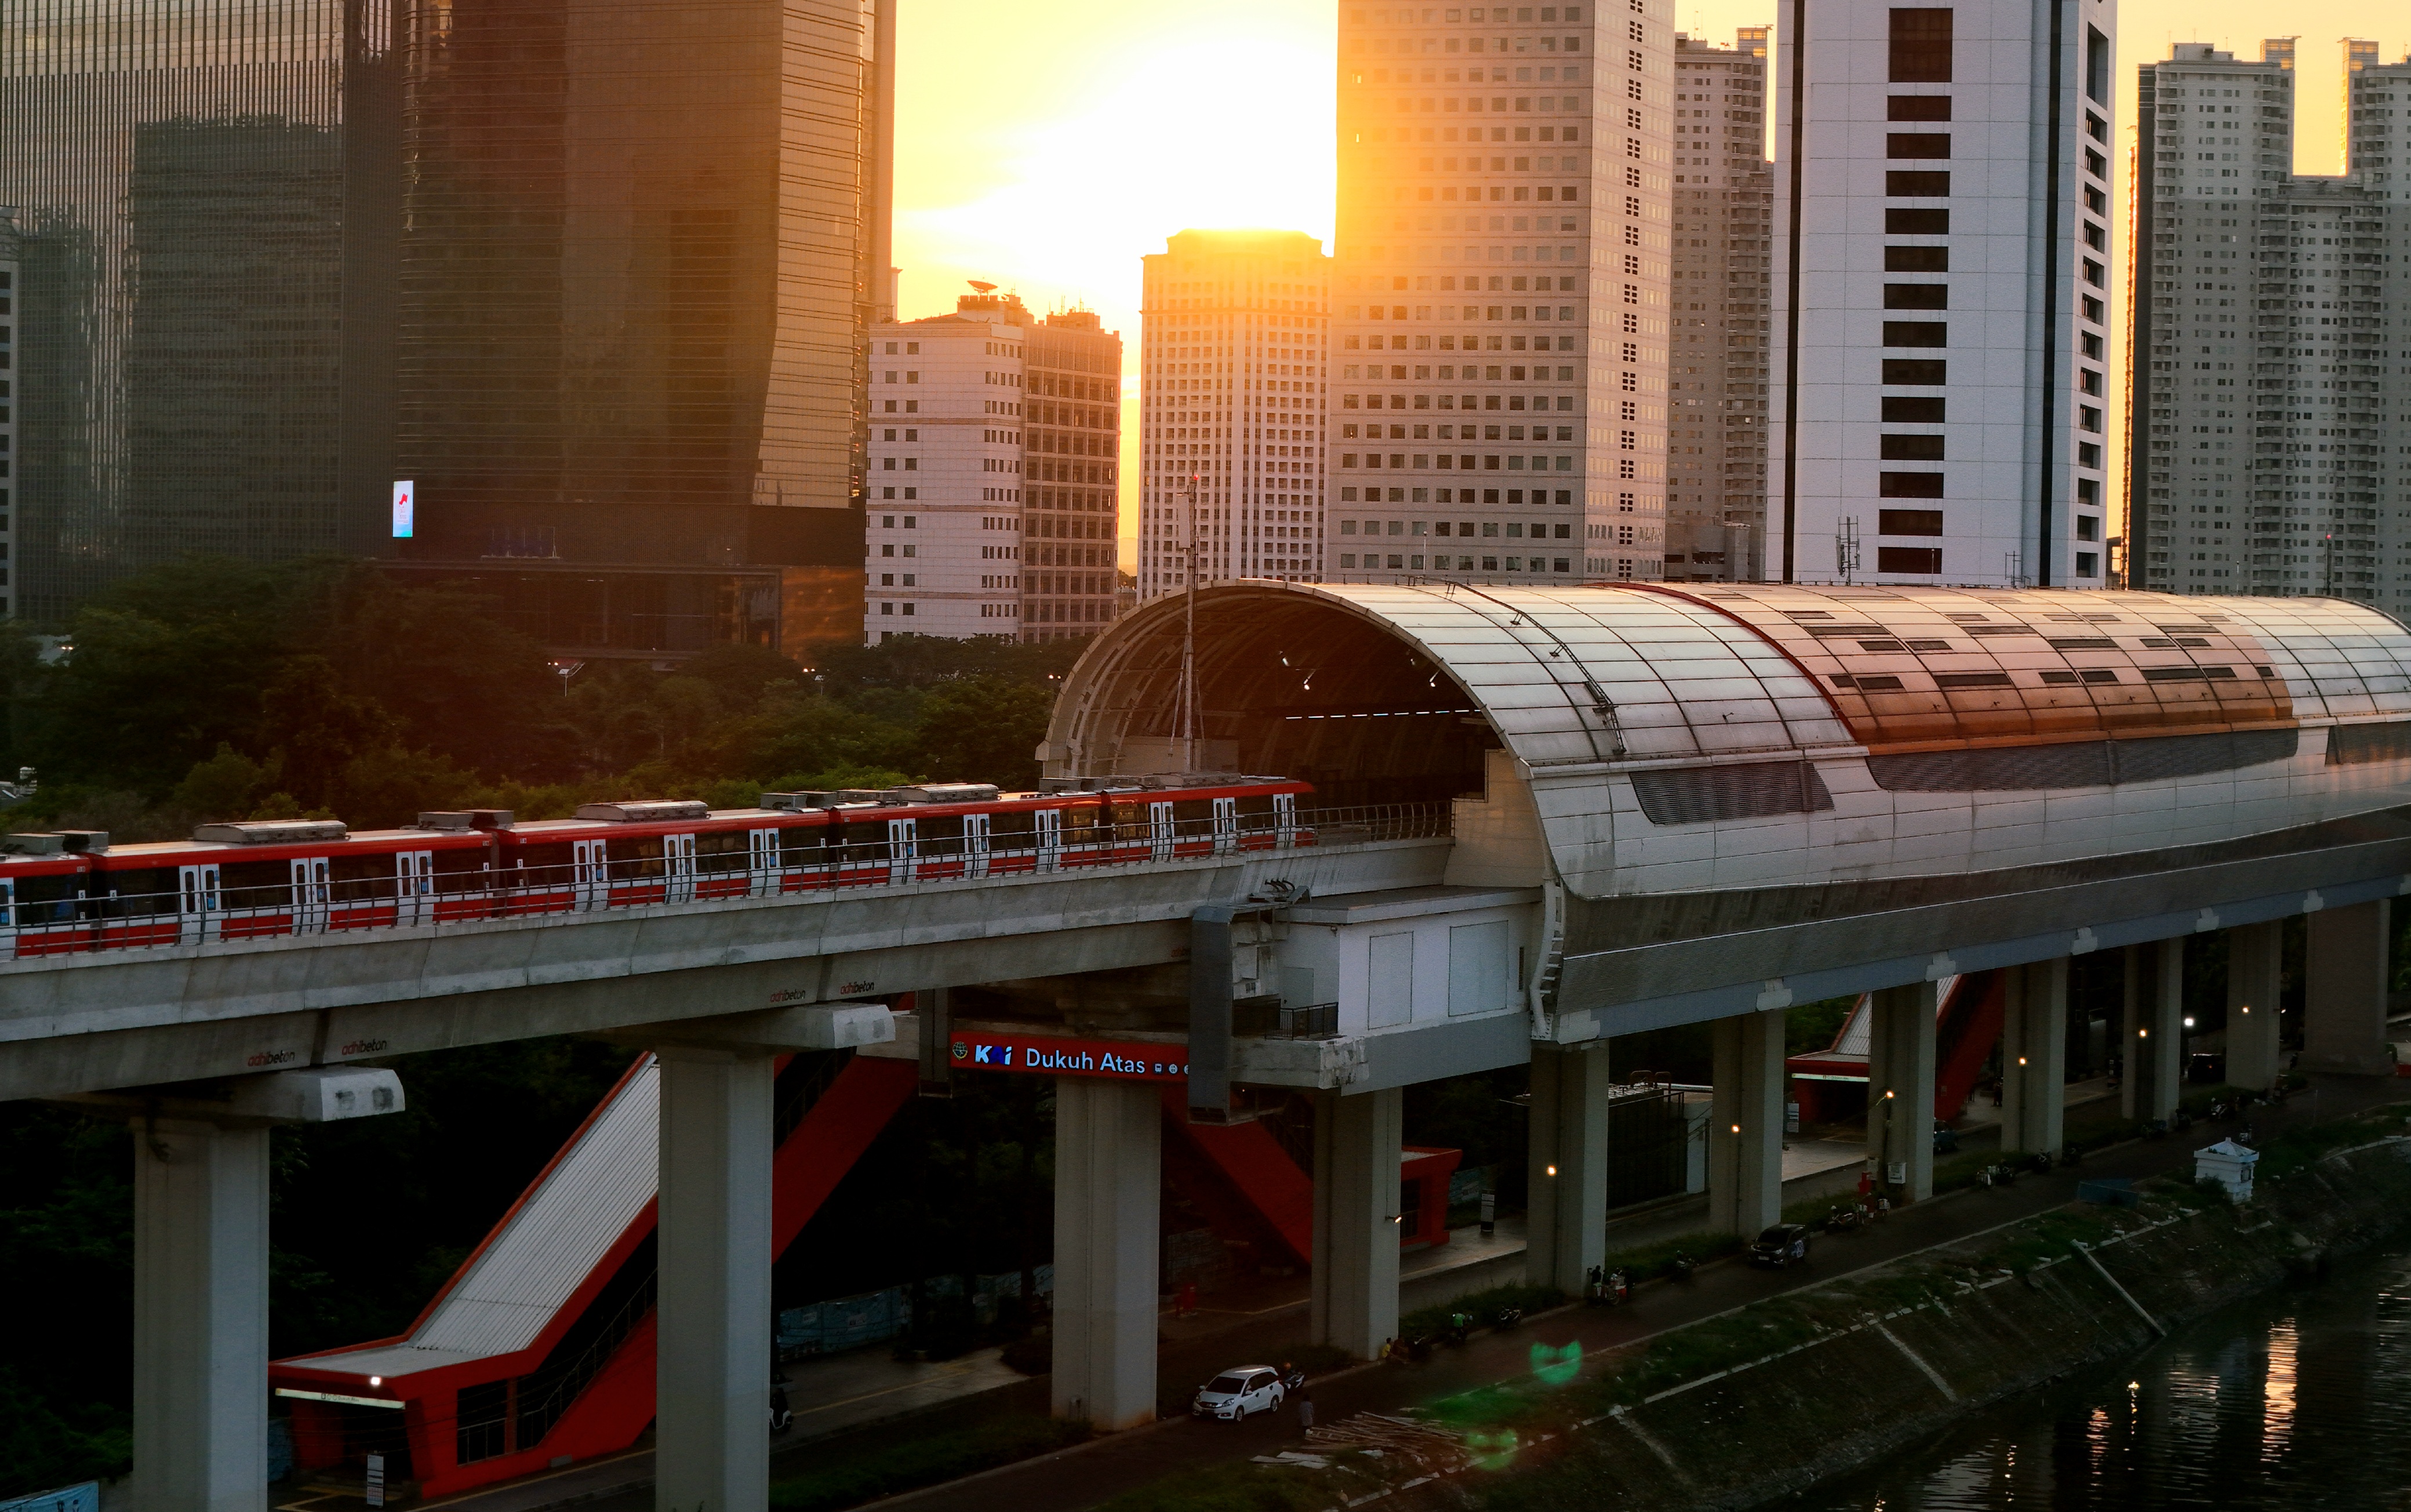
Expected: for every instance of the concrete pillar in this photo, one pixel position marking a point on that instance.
(1566, 1232)
(1109, 1174)
(2034, 1056)
(2256, 969)
(2154, 1048)
(200, 1317)
(1900, 1088)
(711, 1435)
(2344, 991)
(1355, 1277)
(1745, 1124)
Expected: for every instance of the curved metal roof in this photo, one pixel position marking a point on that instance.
(1576, 680)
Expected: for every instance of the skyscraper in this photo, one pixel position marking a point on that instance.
(1716, 448)
(1503, 195)
(637, 288)
(994, 446)
(206, 200)
(2270, 309)
(1233, 371)
(1942, 286)
(11, 562)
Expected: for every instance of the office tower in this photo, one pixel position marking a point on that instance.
(636, 292)
(1942, 286)
(1503, 230)
(206, 198)
(2266, 442)
(1715, 441)
(11, 562)
(994, 445)
(1233, 371)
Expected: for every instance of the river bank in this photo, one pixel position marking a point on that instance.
(1770, 1399)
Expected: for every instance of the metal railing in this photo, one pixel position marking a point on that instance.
(221, 908)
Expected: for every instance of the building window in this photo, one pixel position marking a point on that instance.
(1920, 45)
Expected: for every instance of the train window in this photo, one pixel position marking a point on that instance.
(866, 841)
(640, 857)
(723, 850)
(362, 879)
(465, 870)
(940, 837)
(151, 890)
(537, 866)
(804, 845)
(1256, 811)
(257, 884)
(1013, 830)
(1130, 819)
(45, 900)
(1084, 824)
(1194, 815)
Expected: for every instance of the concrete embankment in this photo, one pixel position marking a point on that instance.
(1739, 1410)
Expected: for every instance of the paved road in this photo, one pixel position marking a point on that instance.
(1083, 1476)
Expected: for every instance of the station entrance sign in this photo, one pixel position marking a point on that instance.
(1047, 1055)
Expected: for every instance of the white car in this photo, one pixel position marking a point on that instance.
(1239, 1393)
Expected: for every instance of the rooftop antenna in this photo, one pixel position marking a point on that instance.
(982, 288)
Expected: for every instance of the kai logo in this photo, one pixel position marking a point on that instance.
(962, 1051)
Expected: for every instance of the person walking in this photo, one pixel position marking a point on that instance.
(1304, 1401)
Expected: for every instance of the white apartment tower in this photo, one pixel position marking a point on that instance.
(2271, 430)
(1500, 292)
(1715, 441)
(1234, 374)
(1942, 248)
(990, 496)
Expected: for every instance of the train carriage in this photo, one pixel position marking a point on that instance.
(257, 880)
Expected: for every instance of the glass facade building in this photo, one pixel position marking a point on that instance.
(633, 294)
(204, 195)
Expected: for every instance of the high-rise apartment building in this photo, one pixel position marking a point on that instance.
(1232, 381)
(1942, 246)
(11, 562)
(637, 283)
(1503, 235)
(207, 199)
(2267, 442)
(993, 443)
(1715, 440)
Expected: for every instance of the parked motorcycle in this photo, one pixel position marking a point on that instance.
(1844, 1218)
(1682, 1266)
(782, 1416)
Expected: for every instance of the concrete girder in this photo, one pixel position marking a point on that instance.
(2154, 1046)
(1354, 1281)
(1108, 1153)
(2034, 1056)
(1745, 1125)
(1900, 1087)
(73, 1023)
(1568, 1155)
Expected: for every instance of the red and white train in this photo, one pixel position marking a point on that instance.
(72, 890)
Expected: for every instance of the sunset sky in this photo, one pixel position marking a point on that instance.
(1048, 145)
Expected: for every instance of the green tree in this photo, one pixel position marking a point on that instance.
(984, 730)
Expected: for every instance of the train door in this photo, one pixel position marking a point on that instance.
(1284, 819)
(1158, 831)
(198, 903)
(678, 867)
(414, 887)
(975, 828)
(1050, 839)
(313, 892)
(7, 917)
(590, 885)
(903, 849)
(762, 862)
(1226, 825)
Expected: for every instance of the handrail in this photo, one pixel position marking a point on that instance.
(342, 907)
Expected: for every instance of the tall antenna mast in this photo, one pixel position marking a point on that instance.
(1187, 706)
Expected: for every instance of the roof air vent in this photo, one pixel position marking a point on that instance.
(946, 793)
(272, 831)
(467, 819)
(646, 811)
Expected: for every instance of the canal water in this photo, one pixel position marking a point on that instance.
(2297, 1400)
